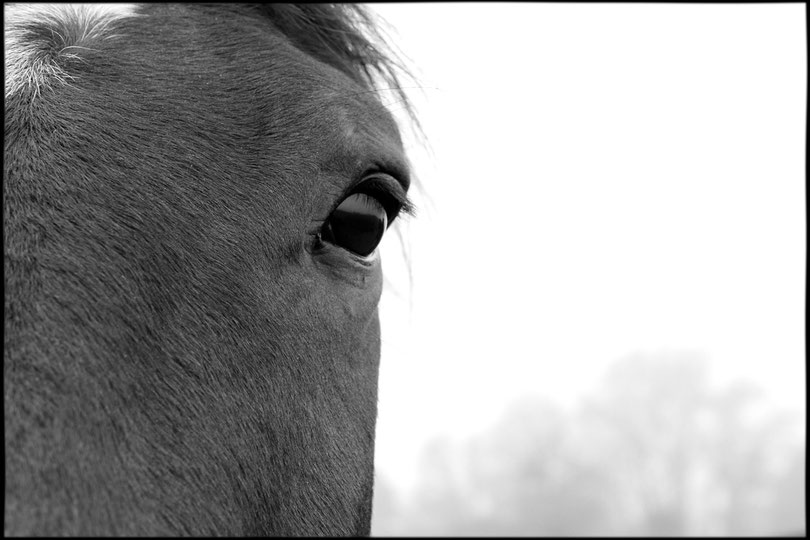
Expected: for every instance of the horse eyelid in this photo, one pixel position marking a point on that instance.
(385, 187)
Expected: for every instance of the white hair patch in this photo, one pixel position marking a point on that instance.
(37, 35)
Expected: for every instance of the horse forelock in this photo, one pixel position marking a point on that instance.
(348, 37)
(39, 36)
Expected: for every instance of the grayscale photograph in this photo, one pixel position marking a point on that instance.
(405, 269)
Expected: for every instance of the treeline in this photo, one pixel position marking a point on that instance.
(655, 451)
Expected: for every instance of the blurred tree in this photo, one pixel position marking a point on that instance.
(527, 471)
(645, 418)
(654, 451)
(686, 458)
(388, 512)
(786, 509)
(441, 506)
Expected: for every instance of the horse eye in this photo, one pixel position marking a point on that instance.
(357, 224)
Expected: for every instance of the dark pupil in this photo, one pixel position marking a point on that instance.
(357, 224)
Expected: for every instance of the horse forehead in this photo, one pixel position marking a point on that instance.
(353, 110)
(72, 26)
(359, 116)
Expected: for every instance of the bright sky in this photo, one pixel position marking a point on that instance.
(605, 179)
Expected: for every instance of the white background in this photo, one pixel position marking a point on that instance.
(600, 180)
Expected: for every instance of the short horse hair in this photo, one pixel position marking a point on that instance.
(184, 352)
(345, 36)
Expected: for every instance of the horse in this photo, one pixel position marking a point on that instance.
(193, 198)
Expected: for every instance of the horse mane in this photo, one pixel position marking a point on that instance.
(347, 37)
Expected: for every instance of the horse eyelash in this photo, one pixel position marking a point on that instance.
(382, 190)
